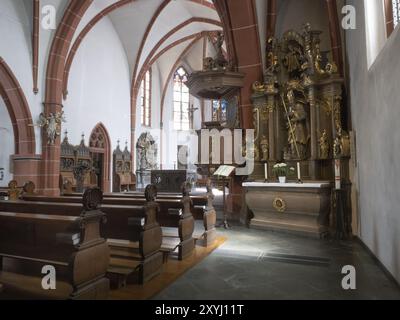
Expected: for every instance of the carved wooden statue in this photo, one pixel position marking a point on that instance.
(324, 145)
(80, 172)
(29, 188)
(13, 190)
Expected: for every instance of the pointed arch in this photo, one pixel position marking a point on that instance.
(100, 143)
(18, 109)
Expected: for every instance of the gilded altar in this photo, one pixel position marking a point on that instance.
(299, 118)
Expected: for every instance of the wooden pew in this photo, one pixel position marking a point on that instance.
(72, 245)
(198, 200)
(180, 235)
(201, 204)
(138, 248)
(132, 232)
(209, 217)
(178, 225)
(201, 207)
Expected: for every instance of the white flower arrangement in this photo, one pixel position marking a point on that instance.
(282, 170)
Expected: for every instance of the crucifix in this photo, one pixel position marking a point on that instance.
(191, 114)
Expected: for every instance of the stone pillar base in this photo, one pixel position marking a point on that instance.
(27, 168)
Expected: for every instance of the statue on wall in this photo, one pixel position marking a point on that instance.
(220, 58)
(13, 190)
(52, 125)
(272, 56)
(323, 145)
(298, 128)
(219, 62)
(146, 152)
(293, 59)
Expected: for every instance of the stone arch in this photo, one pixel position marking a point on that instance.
(53, 95)
(100, 143)
(18, 110)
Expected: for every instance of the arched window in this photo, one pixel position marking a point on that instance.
(145, 99)
(181, 100)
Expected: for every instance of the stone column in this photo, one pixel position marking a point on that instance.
(26, 168)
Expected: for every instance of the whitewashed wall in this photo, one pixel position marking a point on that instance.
(374, 96)
(99, 87)
(6, 144)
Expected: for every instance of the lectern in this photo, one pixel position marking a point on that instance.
(224, 172)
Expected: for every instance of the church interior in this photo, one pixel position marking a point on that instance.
(199, 149)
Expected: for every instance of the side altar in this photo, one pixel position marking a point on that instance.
(299, 208)
(299, 119)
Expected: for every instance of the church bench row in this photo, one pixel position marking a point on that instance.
(201, 206)
(133, 234)
(140, 250)
(177, 228)
(28, 242)
(164, 216)
(117, 216)
(198, 201)
(165, 204)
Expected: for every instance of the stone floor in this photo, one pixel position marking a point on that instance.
(255, 264)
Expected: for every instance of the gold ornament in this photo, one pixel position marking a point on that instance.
(279, 204)
(324, 145)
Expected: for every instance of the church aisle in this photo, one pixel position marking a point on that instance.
(254, 264)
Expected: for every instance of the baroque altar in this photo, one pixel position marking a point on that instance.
(298, 114)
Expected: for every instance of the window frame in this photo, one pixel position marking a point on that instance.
(179, 125)
(145, 96)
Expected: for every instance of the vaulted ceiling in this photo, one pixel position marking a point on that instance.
(153, 30)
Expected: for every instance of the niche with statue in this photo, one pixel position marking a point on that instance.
(146, 159)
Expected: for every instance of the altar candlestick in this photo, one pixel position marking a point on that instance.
(298, 172)
(266, 171)
(337, 175)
